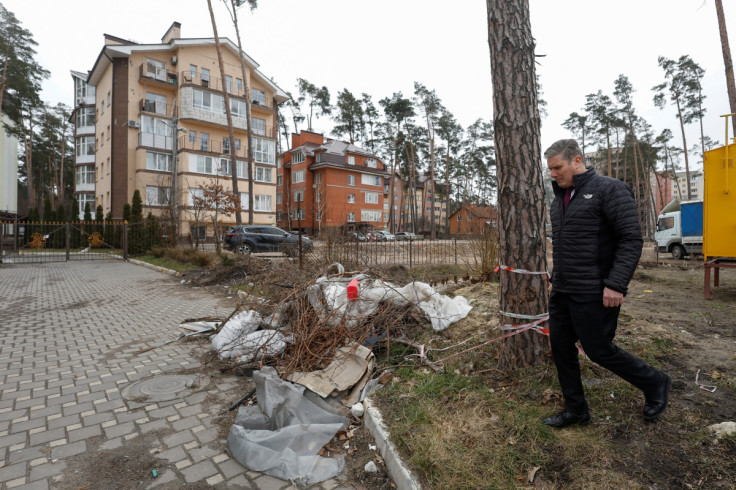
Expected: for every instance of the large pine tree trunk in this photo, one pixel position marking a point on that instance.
(730, 84)
(516, 122)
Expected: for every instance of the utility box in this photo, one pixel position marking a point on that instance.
(719, 209)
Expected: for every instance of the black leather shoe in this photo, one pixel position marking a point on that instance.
(563, 419)
(656, 403)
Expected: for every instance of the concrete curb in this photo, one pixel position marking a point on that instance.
(403, 477)
(157, 268)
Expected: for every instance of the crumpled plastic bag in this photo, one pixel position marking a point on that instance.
(228, 340)
(282, 435)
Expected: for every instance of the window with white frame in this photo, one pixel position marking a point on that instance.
(85, 146)
(158, 161)
(259, 96)
(223, 167)
(280, 180)
(351, 198)
(371, 215)
(299, 195)
(351, 179)
(371, 162)
(367, 179)
(259, 126)
(351, 160)
(85, 174)
(244, 204)
(279, 198)
(204, 164)
(196, 193)
(83, 200)
(157, 196)
(82, 89)
(205, 77)
(262, 203)
(204, 141)
(85, 117)
(155, 103)
(297, 157)
(155, 125)
(229, 83)
(238, 84)
(371, 198)
(241, 169)
(297, 177)
(318, 178)
(207, 101)
(156, 69)
(298, 214)
(237, 108)
(351, 216)
(193, 71)
(263, 174)
(192, 136)
(264, 151)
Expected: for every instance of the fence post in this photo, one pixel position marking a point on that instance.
(125, 240)
(411, 253)
(455, 240)
(67, 230)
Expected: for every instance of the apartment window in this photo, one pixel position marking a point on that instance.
(193, 71)
(192, 136)
(157, 196)
(224, 167)
(204, 164)
(83, 200)
(156, 69)
(85, 174)
(297, 177)
(155, 103)
(297, 158)
(86, 117)
(244, 205)
(370, 179)
(196, 193)
(458, 216)
(241, 169)
(237, 144)
(280, 180)
(318, 178)
(205, 77)
(279, 198)
(371, 162)
(371, 215)
(259, 96)
(351, 179)
(108, 98)
(263, 175)
(158, 161)
(262, 203)
(238, 85)
(470, 217)
(102, 107)
(210, 102)
(237, 108)
(351, 160)
(259, 125)
(351, 216)
(351, 198)
(229, 83)
(264, 151)
(298, 214)
(226, 145)
(154, 125)
(204, 141)
(299, 195)
(371, 198)
(85, 146)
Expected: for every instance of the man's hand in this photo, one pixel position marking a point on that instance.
(612, 298)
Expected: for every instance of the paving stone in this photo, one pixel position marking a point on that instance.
(25, 454)
(172, 455)
(239, 482)
(12, 472)
(111, 444)
(166, 476)
(201, 453)
(199, 471)
(84, 433)
(68, 450)
(47, 470)
(230, 468)
(119, 430)
(179, 438)
(186, 423)
(35, 485)
(267, 482)
(206, 436)
(154, 425)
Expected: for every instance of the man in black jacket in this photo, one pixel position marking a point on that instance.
(597, 244)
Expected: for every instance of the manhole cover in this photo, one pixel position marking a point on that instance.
(162, 387)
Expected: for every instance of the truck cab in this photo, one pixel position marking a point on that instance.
(680, 229)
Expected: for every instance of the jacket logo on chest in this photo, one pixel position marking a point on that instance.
(587, 196)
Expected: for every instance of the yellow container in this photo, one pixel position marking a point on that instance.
(719, 203)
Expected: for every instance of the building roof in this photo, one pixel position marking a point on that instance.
(110, 51)
(479, 212)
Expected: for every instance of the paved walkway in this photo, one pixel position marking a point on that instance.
(70, 332)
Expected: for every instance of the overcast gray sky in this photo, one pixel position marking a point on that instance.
(384, 46)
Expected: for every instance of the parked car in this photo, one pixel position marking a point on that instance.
(356, 236)
(387, 236)
(405, 235)
(259, 238)
(375, 236)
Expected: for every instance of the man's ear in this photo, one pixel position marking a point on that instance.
(578, 161)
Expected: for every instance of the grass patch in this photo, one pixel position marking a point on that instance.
(166, 263)
(191, 256)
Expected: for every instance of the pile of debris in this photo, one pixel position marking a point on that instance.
(314, 364)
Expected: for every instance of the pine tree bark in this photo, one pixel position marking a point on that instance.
(522, 242)
(730, 84)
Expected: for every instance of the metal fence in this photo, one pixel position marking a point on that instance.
(35, 242)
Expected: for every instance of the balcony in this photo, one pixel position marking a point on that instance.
(152, 140)
(216, 85)
(209, 146)
(153, 107)
(157, 75)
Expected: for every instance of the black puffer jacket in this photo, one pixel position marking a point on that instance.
(597, 241)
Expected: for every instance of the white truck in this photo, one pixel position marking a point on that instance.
(680, 229)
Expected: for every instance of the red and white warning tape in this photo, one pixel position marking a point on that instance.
(519, 271)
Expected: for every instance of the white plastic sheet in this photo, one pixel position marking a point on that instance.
(282, 435)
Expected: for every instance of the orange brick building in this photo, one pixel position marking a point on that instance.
(326, 183)
(473, 220)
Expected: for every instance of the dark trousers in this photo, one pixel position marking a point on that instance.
(587, 320)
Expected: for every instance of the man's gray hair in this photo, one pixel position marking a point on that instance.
(569, 149)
